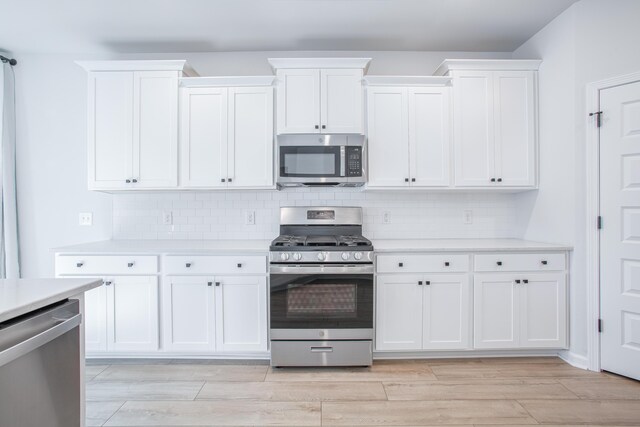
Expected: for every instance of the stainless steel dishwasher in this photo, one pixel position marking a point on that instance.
(40, 368)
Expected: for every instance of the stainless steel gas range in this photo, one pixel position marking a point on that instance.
(321, 289)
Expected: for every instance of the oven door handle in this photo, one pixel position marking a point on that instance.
(322, 269)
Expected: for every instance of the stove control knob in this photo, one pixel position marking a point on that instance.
(358, 256)
(284, 256)
(297, 256)
(345, 255)
(321, 256)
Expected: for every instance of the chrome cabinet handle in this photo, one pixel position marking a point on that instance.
(229, 179)
(420, 282)
(130, 264)
(518, 281)
(427, 282)
(209, 283)
(188, 265)
(217, 283)
(499, 262)
(544, 262)
(134, 180)
(108, 283)
(128, 181)
(80, 264)
(525, 281)
(239, 265)
(400, 264)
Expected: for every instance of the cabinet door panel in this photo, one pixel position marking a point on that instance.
(446, 310)
(495, 311)
(429, 136)
(250, 148)
(543, 311)
(473, 128)
(515, 127)
(388, 137)
(188, 318)
(398, 312)
(155, 129)
(132, 314)
(341, 101)
(95, 319)
(203, 137)
(241, 313)
(110, 129)
(298, 101)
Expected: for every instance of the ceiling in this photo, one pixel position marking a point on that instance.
(128, 26)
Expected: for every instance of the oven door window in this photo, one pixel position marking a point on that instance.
(324, 301)
(310, 162)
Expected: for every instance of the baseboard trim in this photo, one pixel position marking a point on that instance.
(182, 356)
(574, 359)
(461, 354)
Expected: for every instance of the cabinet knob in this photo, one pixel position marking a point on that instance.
(525, 281)
(406, 180)
(499, 262)
(130, 264)
(499, 179)
(209, 283)
(413, 180)
(188, 265)
(324, 126)
(229, 179)
(420, 282)
(134, 180)
(427, 282)
(217, 283)
(446, 263)
(128, 181)
(79, 264)
(400, 264)
(493, 180)
(544, 262)
(223, 180)
(239, 265)
(518, 281)
(107, 283)
(317, 127)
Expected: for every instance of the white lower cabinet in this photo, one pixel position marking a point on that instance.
(95, 319)
(520, 310)
(423, 312)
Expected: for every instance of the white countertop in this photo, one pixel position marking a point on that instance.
(20, 296)
(262, 246)
(464, 245)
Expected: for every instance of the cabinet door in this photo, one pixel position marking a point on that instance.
(298, 101)
(110, 130)
(495, 311)
(250, 147)
(429, 136)
(203, 137)
(95, 319)
(543, 311)
(388, 128)
(132, 314)
(155, 129)
(341, 101)
(399, 312)
(473, 128)
(241, 313)
(515, 123)
(446, 312)
(188, 314)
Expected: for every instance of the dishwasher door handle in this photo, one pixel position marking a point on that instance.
(38, 340)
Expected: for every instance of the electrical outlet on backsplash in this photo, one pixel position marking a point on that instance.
(220, 214)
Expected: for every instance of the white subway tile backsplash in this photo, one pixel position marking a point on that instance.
(219, 215)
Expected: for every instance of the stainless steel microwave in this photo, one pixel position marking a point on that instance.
(321, 160)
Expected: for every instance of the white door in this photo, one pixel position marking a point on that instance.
(241, 313)
(429, 136)
(399, 312)
(388, 132)
(250, 146)
(155, 129)
(203, 137)
(132, 314)
(110, 130)
(495, 309)
(473, 128)
(341, 101)
(298, 101)
(446, 312)
(620, 234)
(95, 319)
(515, 123)
(188, 314)
(543, 310)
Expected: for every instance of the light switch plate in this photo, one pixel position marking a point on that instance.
(85, 218)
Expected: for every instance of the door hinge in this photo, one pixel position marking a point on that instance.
(600, 325)
(598, 115)
(599, 223)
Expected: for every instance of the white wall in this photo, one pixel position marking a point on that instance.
(51, 131)
(592, 40)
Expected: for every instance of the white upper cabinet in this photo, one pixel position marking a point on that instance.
(226, 134)
(322, 95)
(409, 132)
(133, 124)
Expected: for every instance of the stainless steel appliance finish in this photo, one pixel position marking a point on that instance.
(321, 271)
(40, 368)
(321, 160)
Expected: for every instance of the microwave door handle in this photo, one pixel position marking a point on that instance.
(342, 160)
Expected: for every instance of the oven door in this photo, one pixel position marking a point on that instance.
(321, 302)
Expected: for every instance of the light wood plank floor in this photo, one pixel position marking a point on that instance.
(462, 392)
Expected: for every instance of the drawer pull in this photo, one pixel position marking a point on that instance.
(518, 281)
(446, 264)
(188, 265)
(420, 282)
(239, 265)
(544, 262)
(525, 281)
(107, 283)
(427, 282)
(499, 262)
(400, 264)
(209, 283)
(217, 283)
(321, 349)
(130, 264)
(80, 264)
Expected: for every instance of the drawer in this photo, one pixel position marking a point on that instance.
(106, 264)
(520, 262)
(205, 264)
(321, 353)
(423, 263)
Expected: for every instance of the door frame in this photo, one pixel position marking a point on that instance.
(593, 211)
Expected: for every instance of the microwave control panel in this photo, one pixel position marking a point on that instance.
(354, 161)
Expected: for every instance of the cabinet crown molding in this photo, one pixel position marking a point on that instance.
(281, 63)
(234, 81)
(449, 65)
(140, 65)
(407, 81)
